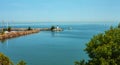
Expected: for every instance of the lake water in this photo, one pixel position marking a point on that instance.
(52, 48)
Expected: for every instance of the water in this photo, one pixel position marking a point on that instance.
(52, 48)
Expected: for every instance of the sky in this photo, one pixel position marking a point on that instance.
(60, 10)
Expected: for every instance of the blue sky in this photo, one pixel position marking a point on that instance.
(60, 10)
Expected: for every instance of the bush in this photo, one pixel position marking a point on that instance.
(9, 29)
(52, 28)
(29, 28)
(3, 31)
(4, 60)
(21, 63)
(104, 49)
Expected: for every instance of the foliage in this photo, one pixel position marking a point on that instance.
(82, 62)
(21, 63)
(3, 31)
(29, 28)
(104, 48)
(4, 60)
(52, 27)
(9, 29)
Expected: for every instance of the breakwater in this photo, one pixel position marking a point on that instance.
(41, 29)
(16, 32)
(13, 34)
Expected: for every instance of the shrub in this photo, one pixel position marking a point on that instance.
(29, 28)
(4, 60)
(52, 28)
(21, 63)
(9, 29)
(104, 48)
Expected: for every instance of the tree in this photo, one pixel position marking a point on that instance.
(29, 28)
(82, 62)
(9, 29)
(3, 31)
(104, 48)
(4, 60)
(52, 28)
(21, 63)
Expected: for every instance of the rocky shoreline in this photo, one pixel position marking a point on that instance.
(13, 34)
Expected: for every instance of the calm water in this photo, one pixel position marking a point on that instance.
(52, 48)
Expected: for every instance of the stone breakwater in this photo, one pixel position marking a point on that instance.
(13, 34)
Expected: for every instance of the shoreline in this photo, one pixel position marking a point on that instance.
(13, 34)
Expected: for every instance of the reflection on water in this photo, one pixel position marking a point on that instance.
(53, 34)
(3, 41)
(75, 34)
(4, 44)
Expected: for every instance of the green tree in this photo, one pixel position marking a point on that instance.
(4, 60)
(104, 48)
(29, 28)
(52, 28)
(82, 62)
(9, 29)
(21, 63)
(3, 31)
